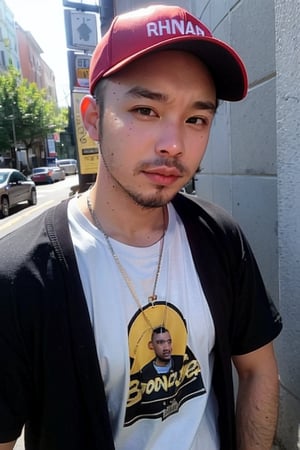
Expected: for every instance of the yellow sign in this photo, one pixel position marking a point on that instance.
(82, 73)
(87, 147)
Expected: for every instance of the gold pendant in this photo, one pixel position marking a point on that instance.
(152, 299)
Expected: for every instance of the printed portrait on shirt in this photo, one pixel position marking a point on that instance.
(164, 373)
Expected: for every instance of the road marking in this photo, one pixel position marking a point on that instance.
(28, 212)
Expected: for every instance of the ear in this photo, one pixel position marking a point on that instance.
(150, 345)
(90, 116)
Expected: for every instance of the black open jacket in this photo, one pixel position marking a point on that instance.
(50, 377)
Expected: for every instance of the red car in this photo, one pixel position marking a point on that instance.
(47, 174)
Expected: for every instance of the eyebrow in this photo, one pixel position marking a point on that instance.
(141, 92)
(199, 104)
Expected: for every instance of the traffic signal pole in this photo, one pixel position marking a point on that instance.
(81, 36)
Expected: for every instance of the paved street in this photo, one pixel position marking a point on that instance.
(47, 195)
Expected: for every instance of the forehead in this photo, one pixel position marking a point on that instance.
(167, 68)
(161, 336)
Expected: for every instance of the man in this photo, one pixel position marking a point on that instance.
(161, 344)
(84, 285)
(167, 381)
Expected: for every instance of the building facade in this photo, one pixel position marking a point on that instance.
(9, 52)
(19, 49)
(32, 65)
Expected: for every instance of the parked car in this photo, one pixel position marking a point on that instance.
(58, 173)
(69, 165)
(15, 188)
(42, 175)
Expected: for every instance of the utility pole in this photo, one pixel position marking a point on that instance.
(81, 34)
(13, 155)
(107, 14)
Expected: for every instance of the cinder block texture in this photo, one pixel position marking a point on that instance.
(254, 205)
(253, 35)
(253, 132)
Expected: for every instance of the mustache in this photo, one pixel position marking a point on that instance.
(163, 161)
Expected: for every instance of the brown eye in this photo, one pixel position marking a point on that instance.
(145, 111)
(197, 120)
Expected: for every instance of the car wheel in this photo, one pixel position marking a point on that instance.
(4, 207)
(33, 198)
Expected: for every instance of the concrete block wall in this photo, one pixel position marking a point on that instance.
(287, 19)
(239, 169)
(122, 6)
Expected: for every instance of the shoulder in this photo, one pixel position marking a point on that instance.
(26, 245)
(31, 276)
(209, 224)
(217, 243)
(15, 246)
(208, 213)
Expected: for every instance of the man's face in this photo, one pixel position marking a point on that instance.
(155, 126)
(162, 345)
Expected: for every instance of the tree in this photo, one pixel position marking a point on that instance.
(26, 115)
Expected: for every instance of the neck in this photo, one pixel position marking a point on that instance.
(161, 363)
(130, 224)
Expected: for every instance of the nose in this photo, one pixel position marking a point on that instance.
(170, 142)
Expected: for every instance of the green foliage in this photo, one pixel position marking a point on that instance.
(26, 115)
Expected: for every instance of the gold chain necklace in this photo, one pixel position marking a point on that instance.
(152, 298)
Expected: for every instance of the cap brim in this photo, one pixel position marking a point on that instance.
(226, 67)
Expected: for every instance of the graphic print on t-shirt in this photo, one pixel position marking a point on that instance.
(164, 373)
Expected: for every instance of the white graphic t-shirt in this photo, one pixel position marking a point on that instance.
(150, 407)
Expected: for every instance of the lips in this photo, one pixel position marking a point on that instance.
(164, 171)
(163, 176)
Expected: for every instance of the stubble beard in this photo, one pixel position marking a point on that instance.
(163, 360)
(158, 199)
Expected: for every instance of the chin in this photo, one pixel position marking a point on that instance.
(160, 198)
(167, 360)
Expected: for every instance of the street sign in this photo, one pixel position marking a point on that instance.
(82, 68)
(82, 38)
(87, 148)
(81, 30)
(87, 6)
(79, 66)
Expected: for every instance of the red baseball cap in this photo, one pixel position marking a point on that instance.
(163, 27)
